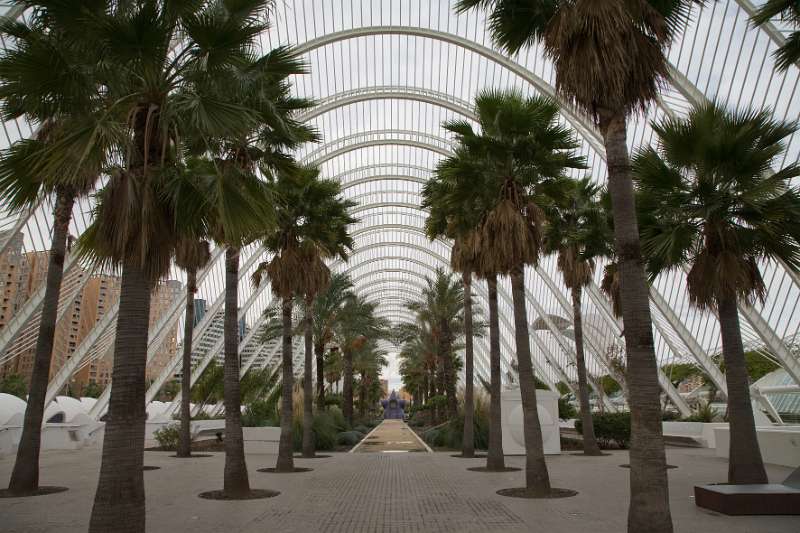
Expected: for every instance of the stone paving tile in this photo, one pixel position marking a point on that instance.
(391, 493)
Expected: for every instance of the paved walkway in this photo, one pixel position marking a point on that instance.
(391, 436)
(379, 492)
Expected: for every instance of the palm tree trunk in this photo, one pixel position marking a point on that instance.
(347, 386)
(119, 503)
(468, 443)
(590, 446)
(495, 459)
(286, 443)
(744, 464)
(649, 488)
(308, 388)
(362, 397)
(25, 476)
(537, 479)
(448, 374)
(236, 482)
(319, 352)
(185, 443)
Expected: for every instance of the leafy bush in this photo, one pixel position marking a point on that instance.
(703, 413)
(610, 429)
(260, 413)
(361, 428)
(168, 436)
(566, 410)
(669, 416)
(451, 433)
(326, 428)
(348, 438)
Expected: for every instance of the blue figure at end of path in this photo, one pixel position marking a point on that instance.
(393, 408)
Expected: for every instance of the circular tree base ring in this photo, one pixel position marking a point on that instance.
(41, 491)
(316, 456)
(583, 454)
(524, 492)
(628, 466)
(494, 470)
(254, 494)
(193, 456)
(148, 468)
(297, 470)
(476, 456)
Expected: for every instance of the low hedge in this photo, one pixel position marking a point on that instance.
(611, 429)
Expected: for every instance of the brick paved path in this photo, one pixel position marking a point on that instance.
(382, 493)
(391, 436)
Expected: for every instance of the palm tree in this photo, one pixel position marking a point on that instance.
(357, 325)
(368, 362)
(580, 39)
(527, 153)
(710, 203)
(191, 255)
(327, 307)
(456, 208)
(576, 232)
(42, 79)
(788, 10)
(313, 223)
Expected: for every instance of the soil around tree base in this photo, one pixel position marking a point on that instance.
(628, 466)
(584, 454)
(41, 491)
(148, 468)
(493, 470)
(193, 456)
(254, 494)
(524, 492)
(297, 470)
(475, 456)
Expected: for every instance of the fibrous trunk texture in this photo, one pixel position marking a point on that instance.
(308, 389)
(347, 386)
(744, 460)
(119, 502)
(25, 476)
(590, 446)
(494, 457)
(319, 353)
(185, 443)
(286, 443)
(468, 444)
(537, 479)
(236, 482)
(649, 489)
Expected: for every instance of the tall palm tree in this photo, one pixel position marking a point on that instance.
(527, 153)
(357, 325)
(576, 232)
(787, 54)
(710, 203)
(368, 362)
(42, 78)
(441, 308)
(456, 209)
(191, 255)
(313, 224)
(326, 310)
(609, 61)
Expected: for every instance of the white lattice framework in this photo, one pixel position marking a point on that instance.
(386, 74)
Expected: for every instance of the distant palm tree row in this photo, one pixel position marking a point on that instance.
(709, 199)
(192, 126)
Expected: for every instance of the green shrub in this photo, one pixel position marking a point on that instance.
(361, 428)
(703, 413)
(260, 413)
(451, 433)
(326, 427)
(669, 416)
(566, 410)
(168, 436)
(610, 429)
(349, 438)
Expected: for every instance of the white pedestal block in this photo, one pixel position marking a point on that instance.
(780, 445)
(261, 439)
(513, 437)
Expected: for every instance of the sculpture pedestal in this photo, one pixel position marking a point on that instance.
(511, 420)
(767, 499)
